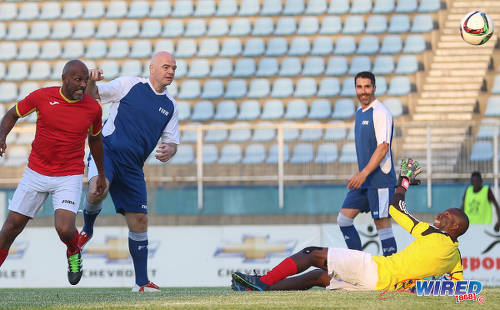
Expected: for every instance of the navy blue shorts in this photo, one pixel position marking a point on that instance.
(374, 200)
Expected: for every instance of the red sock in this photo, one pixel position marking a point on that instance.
(72, 244)
(286, 268)
(3, 255)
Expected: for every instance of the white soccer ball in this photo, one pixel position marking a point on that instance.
(476, 28)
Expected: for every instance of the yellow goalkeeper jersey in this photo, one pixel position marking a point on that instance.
(433, 253)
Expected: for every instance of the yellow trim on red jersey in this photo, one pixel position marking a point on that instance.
(29, 112)
(91, 129)
(64, 97)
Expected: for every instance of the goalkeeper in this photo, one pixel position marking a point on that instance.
(433, 253)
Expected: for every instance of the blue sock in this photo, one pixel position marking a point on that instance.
(350, 233)
(389, 245)
(90, 213)
(139, 252)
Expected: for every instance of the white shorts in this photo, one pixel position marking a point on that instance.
(34, 188)
(351, 270)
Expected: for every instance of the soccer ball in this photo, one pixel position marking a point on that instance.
(476, 28)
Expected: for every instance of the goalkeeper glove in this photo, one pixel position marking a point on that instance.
(408, 173)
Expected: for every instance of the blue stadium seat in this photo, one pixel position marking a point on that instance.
(407, 64)
(57, 69)
(205, 8)
(184, 110)
(160, 9)
(61, 30)
(202, 111)
(305, 88)
(392, 44)
(354, 24)
(381, 86)
(190, 89)
(348, 89)
(327, 153)
(2, 76)
(406, 6)
(24, 90)
(28, 11)
(17, 31)
(368, 45)
(344, 108)
(313, 66)
(322, 46)
(282, 87)
(361, 6)
(493, 106)
(338, 7)
(360, 63)
(394, 105)
(218, 27)
(116, 9)
(249, 7)
(335, 133)
(138, 9)
(74, 10)
(291, 133)
(383, 65)
(337, 65)
(296, 109)
(226, 8)
(299, 46)
(486, 128)
(50, 50)
(3, 30)
(210, 154)
(74, 49)
(212, 89)
(293, 7)
(311, 134)
(208, 48)
(320, 109)
(83, 30)
(276, 47)
(290, 66)
(383, 7)
(427, 6)
(240, 27)
(330, 25)
(191, 135)
(132, 68)
(110, 69)
(236, 89)
(302, 153)
(28, 51)
(195, 28)
(199, 68)
(259, 88)
(345, 45)
(254, 154)
(271, 7)
(273, 109)
(117, 49)
(18, 70)
(329, 87)
(96, 49)
(222, 68)
(267, 67)
(399, 24)
(8, 11)
(414, 44)
(182, 8)
(181, 70)
(244, 67)
(239, 135)
(173, 28)
(172, 88)
(249, 110)
(308, 25)
(273, 154)
(348, 154)
(185, 48)
(285, 26)
(254, 47)
(183, 156)
(93, 10)
(230, 154)
(226, 110)
(482, 151)
(496, 85)
(141, 49)
(216, 135)
(422, 23)
(8, 92)
(164, 45)
(400, 86)
(376, 24)
(263, 26)
(39, 31)
(316, 7)
(106, 29)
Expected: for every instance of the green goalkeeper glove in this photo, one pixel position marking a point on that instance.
(408, 173)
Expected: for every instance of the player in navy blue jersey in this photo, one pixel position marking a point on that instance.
(372, 187)
(142, 113)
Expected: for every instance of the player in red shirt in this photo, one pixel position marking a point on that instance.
(66, 115)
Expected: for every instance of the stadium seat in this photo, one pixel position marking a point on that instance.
(299, 46)
(259, 88)
(205, 8)
(227, 8)
(282, 87)
(173, 28)
(96, 49)
(93, 10)
(191, 135)
(221, 68)
(183, 156)
(331, 25)
(39, 31)
(311, 134)
(354, 24)
(263, 26)
(427, 6)
(273, 109)
(138, 9)
(383, 65)
(16, 156)
(399, 24)
(273, 156)
(2, 76)
(184, 111)
(218, 27)
(3, 30)
(212, 89)
(348, 154)
(368, 45)
(2, 113)
(236, 89)
(290, 66)
(313, 66)
(400, 86)
(291, 133)
(61, 30)
(199, 68)
(327, 153)
(337, 65)
(141, 49)
(160, 9)
(276, 47)
(183, 8)
(376, 24)
(383, 7)
(394, 105)
(73, 50)
(481, 151)
(254, 154)
(308, 25)
(230, 154)
(335, 133)
(344, 108)
(322, 46)
(116, 9)
(381, 86)
(133, 68)
(190, 89)
(28, 51)
(172, 89)
(249, 8)
(271, 7)
(8, 11)
(422, 23)
(231, 47)
(320, 109)
(202, 111)
(17, 31)
(302, 153)
(150, 29)
(360, 63)
(164, 46)
(392, 44)
(345, 45)
(329, 87)
(28, 11)
(361, 6)
(40, 70)
(267, 67)
(129, 29)
(406, 6)
(216, 135)
(118, 49)
(195, 28)
(249, 110)
(185, 48)
(493, 106)
(316, 7)
(338, 7)
(407, 64)
(8, 92)
(254, 47)
(244, 67)
(210, 154)
(110, 69)
(24, 90)
(226, 110)
(208, 48)
(414, 44)
(181, 70)
(293, 7)
(239, 135)
(296, 109)
(496, 85)
(50, 50)
(486, 128)
(305, 88)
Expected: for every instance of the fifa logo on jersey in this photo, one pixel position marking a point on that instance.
(366, 122)
(163, 111)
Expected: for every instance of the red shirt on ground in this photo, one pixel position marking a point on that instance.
(61, 129)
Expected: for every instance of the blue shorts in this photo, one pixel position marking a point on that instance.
(127, 186)
(374, 200)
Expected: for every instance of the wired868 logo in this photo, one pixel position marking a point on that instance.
(462, 290)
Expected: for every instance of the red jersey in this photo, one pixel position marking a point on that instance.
(61, 129)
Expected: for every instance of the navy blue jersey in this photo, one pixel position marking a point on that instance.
(374, 126)
(138, 118)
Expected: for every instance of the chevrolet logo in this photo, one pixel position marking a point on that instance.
(115, 250)
(254, 248)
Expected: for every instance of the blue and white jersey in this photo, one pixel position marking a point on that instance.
(374, 126)
(138, 118)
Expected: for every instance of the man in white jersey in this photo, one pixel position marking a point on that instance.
(143, 113)
(372, 187)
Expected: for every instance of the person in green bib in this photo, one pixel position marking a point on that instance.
(477, 202)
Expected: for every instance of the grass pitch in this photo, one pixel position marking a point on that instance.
(224, 298)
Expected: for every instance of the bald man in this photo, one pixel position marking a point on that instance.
(142, 113)
(66, 116)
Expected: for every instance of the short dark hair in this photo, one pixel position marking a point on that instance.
(366, 75)
(476, 174)
(463, 224)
